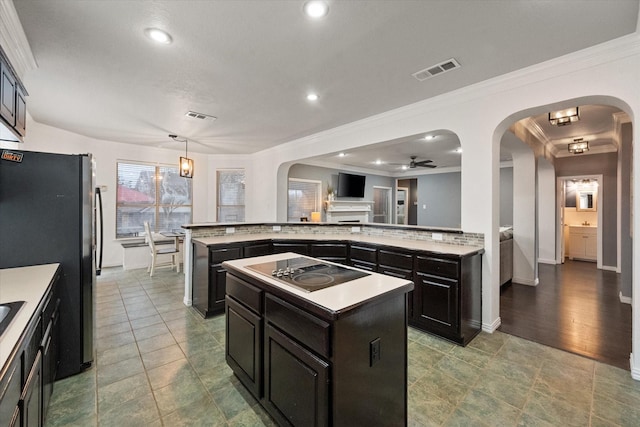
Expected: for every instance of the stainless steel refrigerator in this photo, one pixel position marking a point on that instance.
(48, 215)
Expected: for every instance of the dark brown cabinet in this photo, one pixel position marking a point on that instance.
(7, 95)
(27, 383)
(314, 367)
(446, 300)
(209, 276)
(330, 251)
(363, 257)
(13, 106)
(297, 247)
(447, 296)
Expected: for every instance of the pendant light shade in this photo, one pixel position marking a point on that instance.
(186, 164)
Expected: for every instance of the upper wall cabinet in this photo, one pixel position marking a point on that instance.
(13, 107)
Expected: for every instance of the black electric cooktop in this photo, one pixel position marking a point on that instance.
(307, 274)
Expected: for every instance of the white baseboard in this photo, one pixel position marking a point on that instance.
(624, 300)
(635, 370)
(187, 301)
(527, 282)
(610, 268)
(547, 261)
(491, 327)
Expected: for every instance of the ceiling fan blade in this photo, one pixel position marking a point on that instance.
(423, 162)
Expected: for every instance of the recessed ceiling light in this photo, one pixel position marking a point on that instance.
(405, 167)
(316, 9)
(341, 155)
(158, 35)
(459, 150)
(378, 162)
(429, 137)
(312, 97)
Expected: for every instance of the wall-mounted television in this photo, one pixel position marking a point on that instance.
(350, 185)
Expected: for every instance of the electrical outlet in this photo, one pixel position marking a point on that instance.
(231, 230)
(436, 236)
(355, 229)
(277, 228)
(374, 352)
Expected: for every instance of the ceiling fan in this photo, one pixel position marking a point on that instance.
(421, 163)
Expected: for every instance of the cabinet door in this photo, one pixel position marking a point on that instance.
(200, 290)
(436, 303)
(336, 252)
(243, 348)
(576, 245)
(21, 112)
(217, 288)
(7, 95)
(296, 382)
(31, 400)
(10, 395)
(591, 246)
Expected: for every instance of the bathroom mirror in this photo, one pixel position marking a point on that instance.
(586, 200)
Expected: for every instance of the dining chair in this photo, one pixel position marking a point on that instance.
(175, 262)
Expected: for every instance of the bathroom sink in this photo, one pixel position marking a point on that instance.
(7, 312)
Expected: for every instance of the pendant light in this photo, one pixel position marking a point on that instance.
(186, 164)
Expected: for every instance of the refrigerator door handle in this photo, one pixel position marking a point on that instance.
(101, 225)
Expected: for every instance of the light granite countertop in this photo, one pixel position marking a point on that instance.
(419, 245)
(336, 298)
(27, 284)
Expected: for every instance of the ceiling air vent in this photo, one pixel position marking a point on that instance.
(200, 116)
(443, 67)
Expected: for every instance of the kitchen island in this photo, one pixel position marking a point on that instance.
(333, 356)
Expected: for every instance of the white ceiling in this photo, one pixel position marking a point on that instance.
(250, 63)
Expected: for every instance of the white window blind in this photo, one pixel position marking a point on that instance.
(153, 193)
(305, 196)
(231, 195)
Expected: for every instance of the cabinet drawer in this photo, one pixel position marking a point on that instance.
(329, 250)
(437, 266)
(224, 254)
(245, 293)
(257, 250)
(363, 265)
(362, 253)
(303, 327)
(396, 272)
(395, 259)
(299, 248)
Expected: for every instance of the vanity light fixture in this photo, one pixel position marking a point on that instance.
(578, 146)
(158, 35)
(186, 164)
(316, 9)
(564, 117)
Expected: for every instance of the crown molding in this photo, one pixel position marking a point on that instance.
(14, 41)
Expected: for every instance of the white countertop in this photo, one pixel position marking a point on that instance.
(335, 298)
(420, 245)
(27, 284)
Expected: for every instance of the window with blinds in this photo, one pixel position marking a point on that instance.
(153, 193)
(231, 195)
(305, 196)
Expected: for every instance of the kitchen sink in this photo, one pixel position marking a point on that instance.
(7, 312)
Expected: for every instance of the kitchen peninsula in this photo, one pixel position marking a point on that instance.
(444, 264)
(334, 353)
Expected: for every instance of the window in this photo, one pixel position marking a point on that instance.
(154, 193)
(305, 196)
(231, 195)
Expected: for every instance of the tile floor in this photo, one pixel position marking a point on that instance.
(159, 363)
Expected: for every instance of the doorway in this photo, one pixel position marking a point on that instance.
(382, 205)
(579, 233)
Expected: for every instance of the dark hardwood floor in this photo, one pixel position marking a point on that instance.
(575, 307)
